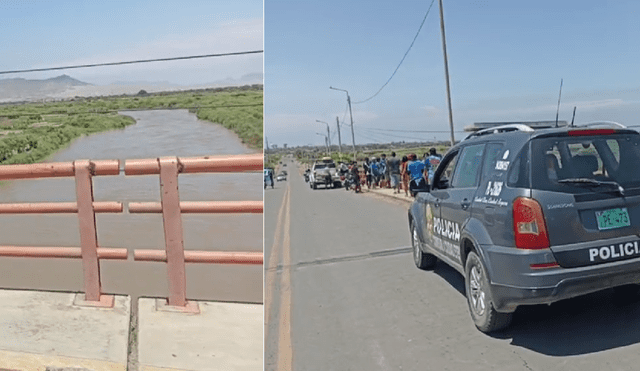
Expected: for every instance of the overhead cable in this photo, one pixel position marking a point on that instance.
(405, 55)
(413, 131)
(131, 62)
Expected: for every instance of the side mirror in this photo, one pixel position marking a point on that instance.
(424, 188)
(443, 183)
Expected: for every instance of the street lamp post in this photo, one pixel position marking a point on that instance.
(353, 137)
(326, 143)
(328, 132)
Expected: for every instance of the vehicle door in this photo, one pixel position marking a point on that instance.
(456, 197)
(439, 193)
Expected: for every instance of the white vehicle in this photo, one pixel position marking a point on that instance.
(324, 172)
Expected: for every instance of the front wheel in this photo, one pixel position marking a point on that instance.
(484, 315)
(421, 259)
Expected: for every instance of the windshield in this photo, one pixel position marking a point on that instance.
(580, 164)
(319, 166)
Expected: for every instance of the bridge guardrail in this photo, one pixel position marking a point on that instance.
(170, 206)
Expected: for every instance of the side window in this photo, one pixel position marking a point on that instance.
(494, 150)
(442, 177)
(519, 170)
(468, 167)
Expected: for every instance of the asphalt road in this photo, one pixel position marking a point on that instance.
(342, 293)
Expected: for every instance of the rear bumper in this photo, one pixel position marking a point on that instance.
(515, 283)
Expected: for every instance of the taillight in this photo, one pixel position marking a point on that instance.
(544, 265)
(528, 224)
(582, 132)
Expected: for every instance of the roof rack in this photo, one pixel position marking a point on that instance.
(607, 124)
(501, 129)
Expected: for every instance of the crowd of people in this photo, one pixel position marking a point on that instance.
(402, 174)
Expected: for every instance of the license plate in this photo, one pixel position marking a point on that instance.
(613, 218)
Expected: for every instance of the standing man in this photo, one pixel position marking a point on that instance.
(431, 163)
(375, 171)
(416, 170)
(393, 166)
(384, 171)
(367, 172)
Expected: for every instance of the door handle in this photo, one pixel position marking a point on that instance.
(465, 204)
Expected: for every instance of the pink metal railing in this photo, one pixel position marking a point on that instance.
(85, 207)
(170, 206)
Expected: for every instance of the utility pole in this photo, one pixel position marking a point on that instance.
(326, 143)
(446, 73)
(339, 140)
(353, 136)
(328, 132)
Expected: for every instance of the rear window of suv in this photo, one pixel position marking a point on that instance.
(585, 164)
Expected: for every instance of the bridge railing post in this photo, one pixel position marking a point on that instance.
(83, 170)
(172, 218)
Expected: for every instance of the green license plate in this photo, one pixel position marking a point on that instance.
(613, 218)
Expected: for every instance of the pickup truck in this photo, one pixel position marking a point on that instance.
(324, 172)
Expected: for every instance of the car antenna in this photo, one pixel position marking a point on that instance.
(574, 115)
(559, 96)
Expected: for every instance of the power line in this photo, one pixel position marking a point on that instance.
(370, 138)
(413, 131)
(130, 62)
(405, 55)
(398, 136)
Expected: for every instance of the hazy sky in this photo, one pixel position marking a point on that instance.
(39, 34)
(506, 59)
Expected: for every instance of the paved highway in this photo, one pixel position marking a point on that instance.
(342, 293)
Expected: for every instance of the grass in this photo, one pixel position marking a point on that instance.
(31, 132)
(273, 160)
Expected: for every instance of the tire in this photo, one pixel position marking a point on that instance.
(422, 259)
(485, 317)
(314, 186)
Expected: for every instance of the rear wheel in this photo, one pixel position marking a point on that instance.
(421, 259)
(484, 315)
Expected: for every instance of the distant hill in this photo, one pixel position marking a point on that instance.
(66, 87)
(22, 89)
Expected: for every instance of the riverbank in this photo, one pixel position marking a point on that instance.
(30, 132)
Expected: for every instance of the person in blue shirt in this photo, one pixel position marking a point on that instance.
(416, 171)
(375, 171)
(431, 163)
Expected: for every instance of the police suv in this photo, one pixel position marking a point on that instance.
(533, 216)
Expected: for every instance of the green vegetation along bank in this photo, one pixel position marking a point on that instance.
(31, 132)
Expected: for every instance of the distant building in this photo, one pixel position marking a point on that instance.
(533, 124)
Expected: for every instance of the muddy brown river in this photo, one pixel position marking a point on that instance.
(156, 133)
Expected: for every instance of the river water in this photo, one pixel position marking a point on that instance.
(155, 134)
